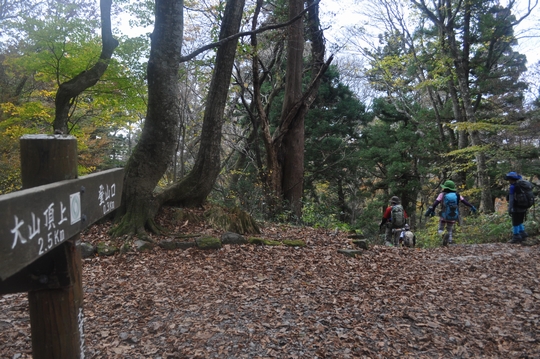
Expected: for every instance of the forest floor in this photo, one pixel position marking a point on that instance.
(247, 301)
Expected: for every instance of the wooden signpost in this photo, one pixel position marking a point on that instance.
(35, 221)
(39, 239)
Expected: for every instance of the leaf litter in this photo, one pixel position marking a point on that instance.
(246, 301)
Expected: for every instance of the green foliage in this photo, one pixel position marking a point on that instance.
(247, 193)
(395, 153)
(10, 179)
(484, 126)
(418, 120)
(320, 215)
(49, 50)
(330, 152)
(428, 237)
(369, 219)
(480, 229)
(141, 12)
(488, 228)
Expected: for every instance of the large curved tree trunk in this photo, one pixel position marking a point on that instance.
(152, 154)
(69, 90)
(197, 185)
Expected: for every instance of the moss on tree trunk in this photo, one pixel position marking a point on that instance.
(137, 218)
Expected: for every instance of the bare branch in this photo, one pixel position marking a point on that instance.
(245, 33)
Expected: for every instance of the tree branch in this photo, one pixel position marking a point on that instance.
(307, 98)
(245, 33)
(69, 90)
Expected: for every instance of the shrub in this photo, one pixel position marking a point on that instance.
(488, 228)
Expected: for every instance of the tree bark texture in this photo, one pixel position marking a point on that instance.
(297, 103)
(154, 151)
(272, 176)
(285, 147)
(68, 91)
(290, 149)
(193, 189)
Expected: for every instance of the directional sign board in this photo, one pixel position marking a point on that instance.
(36, 220)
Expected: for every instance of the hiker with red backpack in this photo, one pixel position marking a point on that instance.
(394, 217)
(449, 214)
(520, 199)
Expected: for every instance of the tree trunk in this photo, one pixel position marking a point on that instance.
(68, 91)
(285, 150)
(152, 154)
(290, 148)
(272, 177)
(193, 189)
(345, 214)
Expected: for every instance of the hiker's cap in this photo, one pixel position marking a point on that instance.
(512, 175)
(394, 200)
(449, 185)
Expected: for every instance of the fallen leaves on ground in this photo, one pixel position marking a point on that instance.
(246, 301)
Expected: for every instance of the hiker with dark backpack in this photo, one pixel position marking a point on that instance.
(449, 214)
(520, 199)
(394, 217)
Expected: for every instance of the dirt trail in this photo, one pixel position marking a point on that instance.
(246, 301)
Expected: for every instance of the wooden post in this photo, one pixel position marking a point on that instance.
(55, 314)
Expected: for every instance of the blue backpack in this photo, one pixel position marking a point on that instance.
(450, 206)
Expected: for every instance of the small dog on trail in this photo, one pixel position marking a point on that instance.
(407, 238)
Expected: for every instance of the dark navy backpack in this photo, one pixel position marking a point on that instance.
(523, 195)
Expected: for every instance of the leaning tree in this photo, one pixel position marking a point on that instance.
(154, 151)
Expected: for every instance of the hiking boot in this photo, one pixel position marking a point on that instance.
(516, 238)
(445, 239)
(523, 235)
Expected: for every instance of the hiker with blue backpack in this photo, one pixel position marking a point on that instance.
(520, 199)
(449, 214)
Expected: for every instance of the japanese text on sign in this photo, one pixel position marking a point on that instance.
(47, 234)
(105, 197)
(36, 220)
